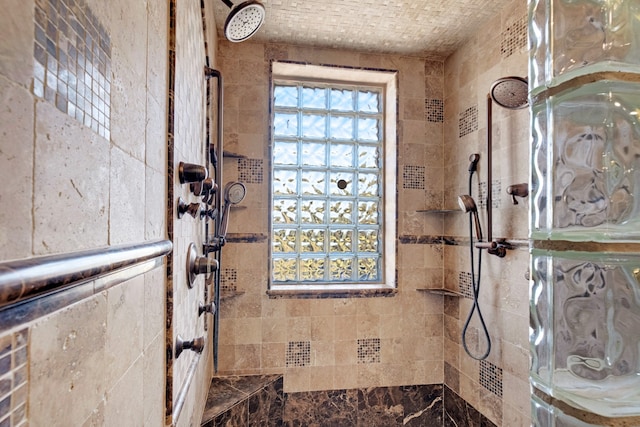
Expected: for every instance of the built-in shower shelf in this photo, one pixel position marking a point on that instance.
(230, 294)
(233, 155)
(440, 291)
(439, 211)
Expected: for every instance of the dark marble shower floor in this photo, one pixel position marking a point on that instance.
(239, 401)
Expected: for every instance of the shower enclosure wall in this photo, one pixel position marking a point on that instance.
(585, 295)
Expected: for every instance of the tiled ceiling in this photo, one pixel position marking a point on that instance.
(413, 27)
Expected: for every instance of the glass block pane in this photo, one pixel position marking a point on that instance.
(342, 127)
(368, 269)
(285, 124)
(284, 269)
(285, 211)
(312, 269)
(314, 154)
(312, 240)
(341, 268)
(369, 102)
(312, 212)
(367, 156)
(368, 213)
(586, 164)
(314, 126)
(314, 98)
(368, 129)
(344, 180)
(342, 100)
(313, 183)
(341, 212)
(284, 240)
(284, 182)
(285, 153)
(341, 241)
(368, 241)
(285, 96)
(368, 184)
(341, 155)
(585, 329)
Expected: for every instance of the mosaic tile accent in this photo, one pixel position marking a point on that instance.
(491, 377)
(496, 190)
(250, 171)
(14, 378)
(72, 62)
(369, 350)
(468, 121)
(413, 177)
(298, 353)
(482, 195)
(228, 280)
(434, 110)
(514, 37)
(465, 284)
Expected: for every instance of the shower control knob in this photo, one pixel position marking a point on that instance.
(196, 345)
(198, 265)
(203, 188)
(191, 208)
(211, 213)
(207, 308)
(189, 172)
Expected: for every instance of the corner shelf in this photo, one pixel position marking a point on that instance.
(441, 291)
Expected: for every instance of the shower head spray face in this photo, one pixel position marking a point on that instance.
(510, 92)
(244, 20)
(234, 192)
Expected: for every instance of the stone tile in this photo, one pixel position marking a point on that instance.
(16, 167)
(123, 400)
(77, 336)
(16, 44)
(381, 406)
(335, 407)
(423, 405)
(127, 203)
(71, 175)
(154, 382)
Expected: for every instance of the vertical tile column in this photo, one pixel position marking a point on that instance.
(585, 263)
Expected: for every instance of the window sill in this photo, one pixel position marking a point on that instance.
(331, 293)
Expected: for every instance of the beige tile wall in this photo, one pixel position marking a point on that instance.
(67, 188)
(256, 331)
(469, 73)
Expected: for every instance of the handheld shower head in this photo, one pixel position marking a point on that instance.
(467, 204)
(244, 20)
(234, 193)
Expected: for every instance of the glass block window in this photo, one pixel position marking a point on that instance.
(328, 175)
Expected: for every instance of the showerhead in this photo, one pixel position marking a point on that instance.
(510, 92)
(467, 204)
(244, 20)
(234, 193)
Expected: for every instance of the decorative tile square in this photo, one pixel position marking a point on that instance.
(228, 280)
(491, 377)
(369, 350)
(514, 37)
(466, 284)
(482, 195)
(468, 121)
(496, 190)
(434, 110)
(413, 177)
(250, 171)
(298, 353)
(72, 62)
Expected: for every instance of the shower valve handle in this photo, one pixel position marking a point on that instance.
(196, 345)
(518, 190)
(207, 308)
(189, 172)
(191, 208)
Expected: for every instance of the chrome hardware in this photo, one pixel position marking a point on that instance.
(518, 190)
(207, 308)
(198, 265)
(196, 345)
(191, 208)
(188, 172)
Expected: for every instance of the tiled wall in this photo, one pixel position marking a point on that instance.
(83, 165)
(328, 344)
(497, 387)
